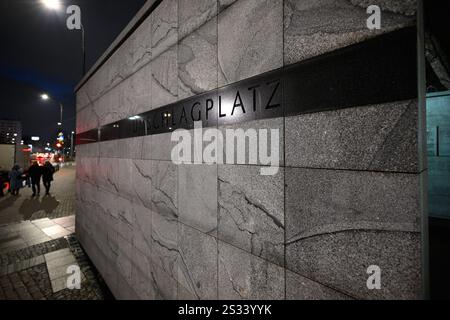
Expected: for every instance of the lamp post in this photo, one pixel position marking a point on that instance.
(71, 145)
(56, 5)
(46, 97)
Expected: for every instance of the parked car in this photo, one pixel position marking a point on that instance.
(4, 181)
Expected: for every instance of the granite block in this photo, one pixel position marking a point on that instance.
(124, 148)
(261, 148)
(377, 137)
(136, 97)
(164, 80)
(312, 28)
(142, 182)
(197, 188)
(326, 201)
(301, 288)
(87, 150)
(164, 27)
(198, 278)
(243, 276)
(193, 14)
(250, 39)
(341, 260)
(87, 119)
(165, 252)
(197, 61)
(141, 40)
(251, 211)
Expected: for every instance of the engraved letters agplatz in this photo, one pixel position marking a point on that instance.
(251, 99)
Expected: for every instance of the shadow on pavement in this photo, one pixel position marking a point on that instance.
(7, 201)
(33, 205)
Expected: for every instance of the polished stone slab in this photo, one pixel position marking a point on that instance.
(197, 196)
(193, 14)
(197, 61)
(312, 28)
(377, 137)
(301, 288)
(250, 39)
(243, 276)
(251, 211)
(198, 279)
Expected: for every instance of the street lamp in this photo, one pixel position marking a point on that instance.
(71, 145)
(46, 97)
(56, 6)
(51, 4)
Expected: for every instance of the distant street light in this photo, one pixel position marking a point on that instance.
(56, 6)
(46, 97)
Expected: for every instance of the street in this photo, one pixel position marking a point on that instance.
(59, 204)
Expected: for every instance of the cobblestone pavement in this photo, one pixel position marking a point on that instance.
(37, 244)
(61, 203)
(32, 281)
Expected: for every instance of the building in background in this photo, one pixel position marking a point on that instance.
(10, 132)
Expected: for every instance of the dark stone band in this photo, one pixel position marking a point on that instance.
(383, 69)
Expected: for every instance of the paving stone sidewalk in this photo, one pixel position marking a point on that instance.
(34, 257)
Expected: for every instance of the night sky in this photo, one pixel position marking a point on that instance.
(39, 54)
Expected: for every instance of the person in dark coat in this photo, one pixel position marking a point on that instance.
(47, 176)
(35, 174)
(15, 180)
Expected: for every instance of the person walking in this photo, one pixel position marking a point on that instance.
(35, 174)
(15, 180)
(47, 176)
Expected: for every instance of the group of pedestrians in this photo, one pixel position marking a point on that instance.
(32, 177)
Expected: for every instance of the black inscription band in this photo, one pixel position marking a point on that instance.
(383, 69)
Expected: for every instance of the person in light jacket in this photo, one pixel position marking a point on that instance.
(15, 180)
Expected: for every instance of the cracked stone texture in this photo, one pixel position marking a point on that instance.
(164, 197)
(244, 276)
(164, 27)
(141, 40)
(115, 176)
(136, 93)
(223, 4)
(193, 14)
(197, 61)
(149, 281)
(87, 119)
(341, 259)
(301, 288)
(378, 137)
(251, 211)
(197, 199)
(198, 279)
(276, 124)
(142, 182)
(142, 238)
(108, 107)
(164, 80)
(312, 27)
(250, 39)
(327, 201)
(82, 99)
(124, 148)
